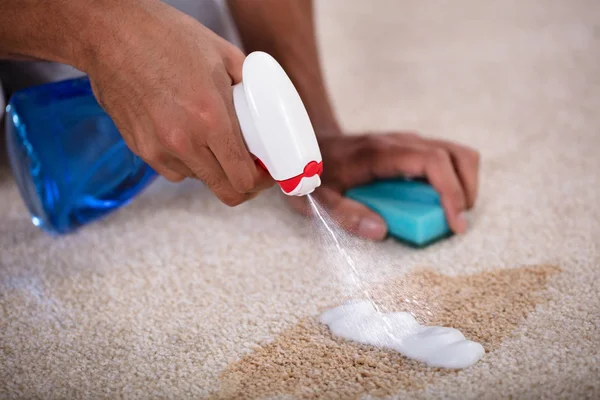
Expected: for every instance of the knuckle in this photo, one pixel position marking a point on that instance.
(438, 155)
(458, 198)
(208, 180)
(174, 141)
(363, 154)
(236, 53)
(152, 155)
(375, 143)
(210, 119)
(245, 184)
(369, 147)
(168, 174)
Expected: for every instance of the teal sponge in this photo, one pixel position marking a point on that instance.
(411, 209)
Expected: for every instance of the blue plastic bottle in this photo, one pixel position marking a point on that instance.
(69, 161)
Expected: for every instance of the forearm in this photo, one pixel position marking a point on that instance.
(285, 29)
(72, 32)
(41, 29)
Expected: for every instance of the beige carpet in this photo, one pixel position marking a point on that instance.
(178, 296)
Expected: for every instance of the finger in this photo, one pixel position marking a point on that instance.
(167, 173)
(440, 172)
(206, 168)
(163, 163)
(164, 167)
(382, 159)
(264, 180)
(352, 216)
(466, 162)
(234, 60)
(178, 166)
(230, 150)
(417, 158)
(240, 169)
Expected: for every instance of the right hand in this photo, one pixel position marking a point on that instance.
(166, 80)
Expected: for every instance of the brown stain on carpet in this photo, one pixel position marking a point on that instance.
(307, 362)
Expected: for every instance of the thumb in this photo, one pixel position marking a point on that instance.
(358, 219)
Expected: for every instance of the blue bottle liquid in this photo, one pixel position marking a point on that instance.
(70, 162)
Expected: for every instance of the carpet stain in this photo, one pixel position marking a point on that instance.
(306, 362)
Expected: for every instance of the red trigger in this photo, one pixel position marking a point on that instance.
(311, 169)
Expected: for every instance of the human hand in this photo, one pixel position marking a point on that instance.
(350, 161)
(166, 81)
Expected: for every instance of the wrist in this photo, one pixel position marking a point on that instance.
(322, 116)
(108, 29)
(93, 34)
(326, 128)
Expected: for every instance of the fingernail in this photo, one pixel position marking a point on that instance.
(462, 222)
(371, 228)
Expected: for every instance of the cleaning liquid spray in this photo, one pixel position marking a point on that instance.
(72, 166)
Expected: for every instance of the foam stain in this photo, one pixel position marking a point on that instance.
(437, 346)
(306, 361)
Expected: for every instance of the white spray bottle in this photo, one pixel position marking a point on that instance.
(276, 126)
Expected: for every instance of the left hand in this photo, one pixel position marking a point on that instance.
(349, 161)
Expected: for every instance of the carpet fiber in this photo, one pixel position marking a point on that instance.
(179, 296)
